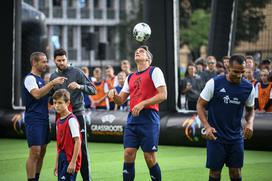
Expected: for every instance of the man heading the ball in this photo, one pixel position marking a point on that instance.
(146, 89)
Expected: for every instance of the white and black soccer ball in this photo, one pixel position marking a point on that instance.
(141, 32)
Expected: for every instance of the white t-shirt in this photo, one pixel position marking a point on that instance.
(30, 83)
(106, 87)
(157, 78)
(74, 128)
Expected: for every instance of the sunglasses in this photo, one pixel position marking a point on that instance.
(211, 62)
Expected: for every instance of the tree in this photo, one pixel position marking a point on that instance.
(198, 29)
(250, 20)
(195, 21)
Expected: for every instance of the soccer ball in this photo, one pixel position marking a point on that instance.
(141, 32)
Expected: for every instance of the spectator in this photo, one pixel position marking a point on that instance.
(200, 66)
(86, 72)
(249, 76)
(87, 101)
(263, 93)
(46, 78)
(220, 70)
(126, 67)
(211, 69)
(191, 86)
(121, 80)
(250, 63)
(225, 60)
(267, 63)
(112, 82)
(99, 100)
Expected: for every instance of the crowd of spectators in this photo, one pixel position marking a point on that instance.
(197, 73)
(200, 71)
(105, 79)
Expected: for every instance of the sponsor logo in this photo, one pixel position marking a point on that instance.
(191, 128)
(227, 100)
(154, 148)
(222, 90)
(125, 172)
(63, 178)
(108, 118)
(152, 177)
(107, 129)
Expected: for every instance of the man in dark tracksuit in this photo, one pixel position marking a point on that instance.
(77, 84)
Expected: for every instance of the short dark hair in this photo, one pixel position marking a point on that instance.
(219, 64)
(124, 61)
(266, 61)
(237, 58)
(109, 67)
(225, 57)
(36, 56)
(188, 65)
(59, 52)
(61, 93)
(249, 57)
(200, 61)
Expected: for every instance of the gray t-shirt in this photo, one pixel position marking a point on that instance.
(74, 74)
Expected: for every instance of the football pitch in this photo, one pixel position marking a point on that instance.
(177, 163)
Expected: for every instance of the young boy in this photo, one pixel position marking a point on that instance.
(121, 77)
(68, 161)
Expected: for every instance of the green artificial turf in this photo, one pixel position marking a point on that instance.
(177, 163)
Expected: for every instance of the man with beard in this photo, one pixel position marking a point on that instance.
(77, 84)
(226, 96)
(36, 114)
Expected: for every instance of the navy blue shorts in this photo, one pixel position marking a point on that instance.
(219, 154)
(37, 134)
(62, 169)
(145, 136)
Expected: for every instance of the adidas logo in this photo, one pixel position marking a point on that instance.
(154, 148)
(223, 90)
(82, 130)
(152, 177)
(125, 172)
(63, 178)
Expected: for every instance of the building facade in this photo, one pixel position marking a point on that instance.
(87, 29)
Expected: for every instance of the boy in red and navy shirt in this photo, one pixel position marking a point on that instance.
(68, 161)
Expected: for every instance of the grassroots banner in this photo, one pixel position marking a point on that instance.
(106, 126)
(102, 125)
(183, 129)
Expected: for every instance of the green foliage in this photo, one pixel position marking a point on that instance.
(250, 20)
(196, 34)
(195, 21)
